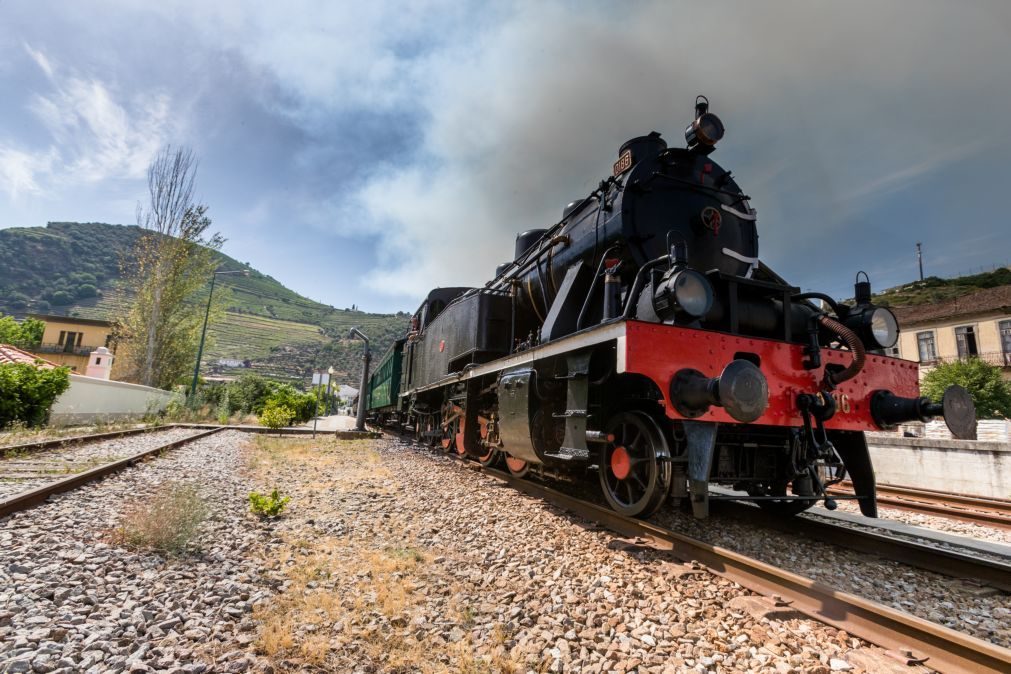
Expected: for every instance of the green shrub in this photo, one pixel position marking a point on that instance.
(223, 410)
(983, 381)
(275, 416)
(267, 506)
(28, 392)
(302, 405)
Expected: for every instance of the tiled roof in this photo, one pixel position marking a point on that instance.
(986, 301)
(12, 354)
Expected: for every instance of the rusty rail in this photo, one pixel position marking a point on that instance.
(78, 439)
(944, 649)
(28, 499)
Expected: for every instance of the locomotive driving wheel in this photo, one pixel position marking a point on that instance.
(448, 439)
(635, 470)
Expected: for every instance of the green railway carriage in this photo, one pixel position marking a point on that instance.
(384, 382)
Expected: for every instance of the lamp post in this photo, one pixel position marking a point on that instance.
(203, 333)
(329, 383)
(355, 332)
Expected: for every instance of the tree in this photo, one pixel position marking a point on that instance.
(983, 381)
(169, 267)
(25, 335)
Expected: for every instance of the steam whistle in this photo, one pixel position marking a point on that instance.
(741, 389)
(956, 407)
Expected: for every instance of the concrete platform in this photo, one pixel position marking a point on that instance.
(331, 424)
(973, 467)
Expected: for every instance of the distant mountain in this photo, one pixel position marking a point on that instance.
(73, 269)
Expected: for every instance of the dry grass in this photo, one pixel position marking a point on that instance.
(353, 600)
(166, 522)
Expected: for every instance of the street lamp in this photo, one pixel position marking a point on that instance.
(203, 333)
(329, 382)
(355, 332)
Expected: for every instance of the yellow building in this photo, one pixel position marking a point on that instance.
(975, 325)
(69, 341)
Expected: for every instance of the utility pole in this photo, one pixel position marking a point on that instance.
(203, 333)
(919, 257)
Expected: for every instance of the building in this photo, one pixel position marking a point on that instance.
(69, 341)
(974, 325)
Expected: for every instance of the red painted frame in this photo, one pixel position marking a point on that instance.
(658, 351)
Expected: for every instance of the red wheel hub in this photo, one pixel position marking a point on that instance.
(621, 462)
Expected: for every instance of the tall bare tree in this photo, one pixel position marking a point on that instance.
(168, 268)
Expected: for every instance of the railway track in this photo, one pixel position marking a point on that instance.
(77, 475)
(975, 509)
(906, 637)
(912, 639)
(962, 564)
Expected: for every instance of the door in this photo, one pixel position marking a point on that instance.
(70, 342)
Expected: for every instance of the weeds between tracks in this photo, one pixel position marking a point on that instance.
(352, 589)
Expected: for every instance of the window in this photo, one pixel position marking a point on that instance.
(63, 336)
(965, 340)
(1004, 327)
(925, 344)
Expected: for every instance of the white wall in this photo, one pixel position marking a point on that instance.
(961, 466)
(89, 400)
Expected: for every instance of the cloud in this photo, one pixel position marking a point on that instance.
(40, 60)
(529, 114)
(20, 171)
(95, 135)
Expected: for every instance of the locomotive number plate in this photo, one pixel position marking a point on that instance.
(623, 164)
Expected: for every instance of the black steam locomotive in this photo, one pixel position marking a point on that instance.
(642, 337)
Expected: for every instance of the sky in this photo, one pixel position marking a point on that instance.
(365, 152)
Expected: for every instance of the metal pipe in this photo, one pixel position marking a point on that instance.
(639, 282)
(366, 357)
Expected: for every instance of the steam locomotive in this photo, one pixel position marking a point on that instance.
(641, 337)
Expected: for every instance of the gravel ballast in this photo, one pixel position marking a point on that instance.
(72, 600)
(397, 559)
(388, 558)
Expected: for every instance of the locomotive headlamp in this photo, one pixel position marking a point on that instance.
(876, 326)
(684, 290)
(706, 129)
(884, 327)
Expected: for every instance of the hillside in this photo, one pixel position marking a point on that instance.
(934, 289)
(73, 269)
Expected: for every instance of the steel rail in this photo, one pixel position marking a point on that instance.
(78, 439)
(28, 499)
(942, 648)
(945, 561)
(961, 507)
